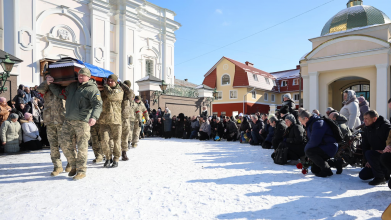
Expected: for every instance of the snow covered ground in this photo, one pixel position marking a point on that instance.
(184, 179)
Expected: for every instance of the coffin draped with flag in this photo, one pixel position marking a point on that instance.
(65, 71)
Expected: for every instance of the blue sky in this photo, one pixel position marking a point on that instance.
(210, 24)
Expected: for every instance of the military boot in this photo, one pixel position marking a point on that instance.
(56, 171)
(107, 163)
(129, 145)
(79, 176)
(72, 172)
(114, 165)
(97, 160)
(124, 156)
(68, 168)
(134, 145)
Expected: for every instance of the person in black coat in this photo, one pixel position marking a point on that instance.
(279, 131)
(174, 125)
(295, 139)
(245, 127)
(219, 127)
(180, 125)
(374, 138)
(213, 127)
(204, 112)
(231, 130)
(255, 135)
(267, 143)
(187, 129)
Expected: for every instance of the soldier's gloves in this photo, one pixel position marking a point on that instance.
(139, 123)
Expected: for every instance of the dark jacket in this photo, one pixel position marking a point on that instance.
(295, 135)
(364, 107)
(320, 135)
(83, 100)
(231, 127)
(258, 126)
(270, 134)
(245, 125)
(195, 125)
(19, 97)
(341, 122)
(279, 132)
(375, 135)
(220, 129)
(204, 114)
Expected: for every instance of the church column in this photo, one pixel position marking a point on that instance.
(100, 33)
(381, 89)
(306, 92)
(313, 91)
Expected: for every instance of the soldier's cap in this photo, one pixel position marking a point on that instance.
(137, 98)
(113, 77)
(128, 83)
(85, 71)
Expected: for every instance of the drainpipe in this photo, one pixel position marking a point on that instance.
(244, 98)
(300, 105)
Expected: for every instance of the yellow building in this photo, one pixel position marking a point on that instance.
(353, 52)
(244, 88)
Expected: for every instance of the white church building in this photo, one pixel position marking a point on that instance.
(132, 38)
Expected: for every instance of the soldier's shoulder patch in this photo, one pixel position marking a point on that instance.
(98, 97)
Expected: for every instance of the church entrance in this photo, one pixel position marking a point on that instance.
(360, 85)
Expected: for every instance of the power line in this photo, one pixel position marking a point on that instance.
(254, 33)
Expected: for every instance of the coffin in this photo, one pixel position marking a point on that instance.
(65, 72)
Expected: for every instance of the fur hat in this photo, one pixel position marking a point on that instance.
(288, 95)
(361, 99)
(137, 97)
(284, 110)
(291, 118)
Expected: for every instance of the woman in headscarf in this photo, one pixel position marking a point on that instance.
(364, 107)
(31, 138)
(351, 109)
(11, 134)
(19, 98)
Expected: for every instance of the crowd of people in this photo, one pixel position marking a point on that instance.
(113, 120)
(295, 135)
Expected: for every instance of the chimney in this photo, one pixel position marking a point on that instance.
(186, 80)
(298, 67)
(249, 64)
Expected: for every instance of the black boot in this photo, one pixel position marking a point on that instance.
(389, 184)
(114, 165)
(338, 166)
(377, 181)
(107, 163)
(324, 173)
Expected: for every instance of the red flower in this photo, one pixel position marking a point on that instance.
(299, 166)
(304, 171)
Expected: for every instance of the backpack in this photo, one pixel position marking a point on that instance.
(337, 133)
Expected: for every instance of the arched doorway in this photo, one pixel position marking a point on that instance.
(360, 85)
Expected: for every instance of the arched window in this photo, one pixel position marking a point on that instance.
(225, 80)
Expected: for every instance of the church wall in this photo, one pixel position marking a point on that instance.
(349, 46)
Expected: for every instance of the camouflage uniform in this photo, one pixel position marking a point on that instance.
(53, 117)
(83, 103)
(128, 97)
(95, 139)
(137, 110)
(110, 121)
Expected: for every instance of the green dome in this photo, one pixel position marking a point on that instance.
(355, 16)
